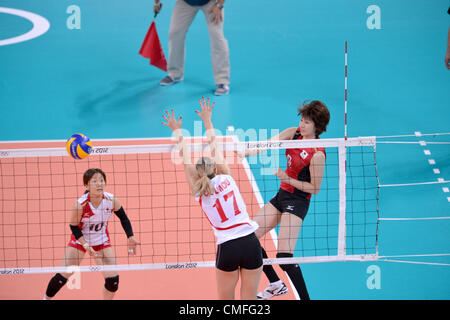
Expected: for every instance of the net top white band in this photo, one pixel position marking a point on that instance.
(167, 148)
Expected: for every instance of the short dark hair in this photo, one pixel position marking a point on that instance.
(318, 112)
(87, 176)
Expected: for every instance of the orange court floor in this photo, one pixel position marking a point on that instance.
(35, 225)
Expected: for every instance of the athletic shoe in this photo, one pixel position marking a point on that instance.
(221, 89)
(272, 291)
(168, 81)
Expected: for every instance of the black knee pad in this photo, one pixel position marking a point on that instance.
(112, 283)
(55, 284)
(286, 267)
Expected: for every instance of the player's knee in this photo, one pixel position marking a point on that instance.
(112, 283)
(286, 267)
(55, 284)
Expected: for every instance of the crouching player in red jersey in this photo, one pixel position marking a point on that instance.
(89, 219)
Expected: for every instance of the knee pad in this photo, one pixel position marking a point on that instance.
(55, 284)
(112, 283)
(286, 267)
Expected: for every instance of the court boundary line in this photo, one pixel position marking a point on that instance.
(416, 255)
(412, 219)
(413, 183)
(417, 262)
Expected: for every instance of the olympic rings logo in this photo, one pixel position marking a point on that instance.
(40, 26)
(95, 268)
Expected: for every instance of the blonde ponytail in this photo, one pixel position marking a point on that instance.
(205, 169)
(202, 186)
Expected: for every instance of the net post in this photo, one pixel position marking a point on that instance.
(342, 152)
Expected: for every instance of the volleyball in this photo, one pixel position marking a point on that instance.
(79, 146)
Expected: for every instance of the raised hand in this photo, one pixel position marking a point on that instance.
(207, 108)
(172, 122)
(157, 7)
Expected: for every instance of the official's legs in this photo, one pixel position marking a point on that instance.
(182, 16)
(220, 56)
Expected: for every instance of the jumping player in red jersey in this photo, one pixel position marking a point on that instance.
(303, 177)
(239, 252)
(89, 219)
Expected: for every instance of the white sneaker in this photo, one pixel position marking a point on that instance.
(272, 291)
(222, 89)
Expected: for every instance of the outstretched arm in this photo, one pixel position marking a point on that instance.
(175, 126)
(216, 152)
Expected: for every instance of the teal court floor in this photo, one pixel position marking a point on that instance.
(92, 80)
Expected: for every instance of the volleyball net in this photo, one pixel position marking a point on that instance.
(39, 186)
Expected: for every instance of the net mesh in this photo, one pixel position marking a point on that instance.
(40, 185)
(320, 230)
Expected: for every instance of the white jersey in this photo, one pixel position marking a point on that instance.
(226, 210)
(94, 221)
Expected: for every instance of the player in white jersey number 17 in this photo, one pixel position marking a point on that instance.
(239, 253)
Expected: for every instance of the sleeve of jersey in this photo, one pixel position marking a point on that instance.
(124, 221)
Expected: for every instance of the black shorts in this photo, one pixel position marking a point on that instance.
(288, 202)
(244, 252)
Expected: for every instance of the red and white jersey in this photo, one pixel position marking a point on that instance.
(226, 210)
(94, 221)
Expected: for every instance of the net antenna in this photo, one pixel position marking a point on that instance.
(345, 103)
(343, 177)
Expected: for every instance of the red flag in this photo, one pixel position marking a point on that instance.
(151, 49)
